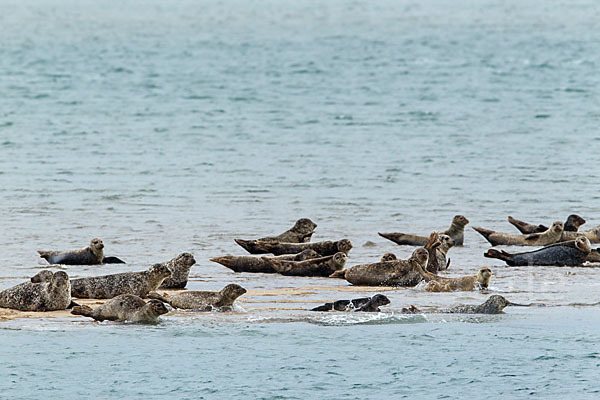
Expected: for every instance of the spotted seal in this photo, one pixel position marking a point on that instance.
(257, 264)
(325, 248)
(180, 268)
(323, 266)
(552, 235)
(90, 255)
(388, 257)
(46, 291)
(203, 300)
(572, 224)
(437, 283)
(456, 232)
(438, 260)
(301, 232)
(493, 305)
(109, 286)
(125, 307)
(571, 253)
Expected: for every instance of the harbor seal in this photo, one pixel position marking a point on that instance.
(203, 300)
(552, 235)
(493, 305)
(90, 255)
(326, 248)
(571, 253)
(323, 266)
(374, 303)
(364, 304)
(388, 257)
(593, 235)
(257, 264)
(125, 307)
(464, 283)
(438, 256)
(44, 292)
(109, 286)
(456, 232)
(572, 224)
(180, 269)
(301, 232)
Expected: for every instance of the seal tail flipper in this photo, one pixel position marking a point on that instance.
(396, 237)
(324, 307)
(526, 228)
(485, 233)
(252, 246)
(156, 296)
(112, 260)
(86, 311)
(499, 254)
(44, 254)
(341, 274)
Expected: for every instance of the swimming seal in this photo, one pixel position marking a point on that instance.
(464, 283)
(456, 232)
(257, 264)
(326, 248)
(109, 286)
(180, 268)
(203, 300)
(90, 255)
(571, 253)
(323, 266)
(301, 232)
(572, 224)
(363, 304)
(46, 291)
(550, 236)
(125, 307)
(493, 305)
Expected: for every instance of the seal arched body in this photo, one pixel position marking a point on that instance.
(437, 283)
(109, 286)
(125, 307)
(326, 248)
(90, 255)
(571, 253)
(203, 300)
(572, 224)
(493, 305)
(550, 236)
(180, 268)
(257, 264)
(44, 292)
(323, 266)
(456, 232)
(301, 232)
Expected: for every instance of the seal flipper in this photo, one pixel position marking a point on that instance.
(73, 304)
(251, 246)
(324, 307)
(526, 228)
(44, 254)
(341, 274)
(86, 311)
(499, 254)
(112, 260)
(156, 296)
(485, 233)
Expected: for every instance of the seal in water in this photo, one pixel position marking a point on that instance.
(125, 307)
(571, 253)
(326, 248)
(552, 235)
(571, 225)
(493, 305)
(180, 267)
(388, 257)
(456, 232)
(44, 292)
(464, 283)
(91, 255)
(366, 304)
(109, 286)
(301, 232)
(323, 266)
(257, 264)
(203, 300)
(437, 260)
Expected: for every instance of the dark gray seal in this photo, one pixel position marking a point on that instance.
(363, 304)
(180, 268)
(203, 300)
(572, 224)
(125, 307)
(493, 305)
(90, 255)
(323, 266)
(301, 232)
(44, 292)
(109, 286)
(257, 264)
(456, 232)
(571, 253)
(438, 245)
(325, 248)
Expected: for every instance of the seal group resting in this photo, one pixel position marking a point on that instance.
(493, 305)
(257, 264)
(203, 300)
(363, 304)
(90, 255)
(109, 286)
(125, 307)
(572, 224)
(46, 291)
(456, 232)
(551, 235)
(464, 283)
(323, 266)
(301, 232)
(326, 248)
(571, 253)
(180, 269)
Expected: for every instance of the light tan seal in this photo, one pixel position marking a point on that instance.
(301, 232)
(203, 300)
(125, 307)
(46, 291)
(180, 267)
(456, 232)
(323, 266)
(552, 235)
(437, 283)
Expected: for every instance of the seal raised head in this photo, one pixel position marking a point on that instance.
(301, 232)
(373, 305)
(203, 300)
(90, 255)
(47, 293)
(456, 231)
(180, 268)
(571, 253)
(125, 307)
(552, 235)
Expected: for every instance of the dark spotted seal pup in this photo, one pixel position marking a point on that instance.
(552, 235)
(301, 232)
(572, 224)
(456, 232)
(571, 253)
(109, 286)
(180, 268)
(326, 248)
(493, 305)
(44, 292)
(125, 307)
(91, 255)
(323, 266)
(257, 264)
(203, 300)
(363, 304)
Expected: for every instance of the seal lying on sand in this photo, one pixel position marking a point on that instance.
(257, 264)
(301, 232)
(109, 286)
(571, 225)
(323, 266)
(456, 232)
(91, 255)
(180, 268)
(571, 253)
(366, 304)
(326, 248)
(464, 283)
(203, 300)
(125, 307)
(46, 291)
(493, 305)
(552, 235)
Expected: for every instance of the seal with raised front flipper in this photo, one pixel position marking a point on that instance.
(325, 248)
(572, 224)
(203, 300)
(571, 253)
(493, 305)
(125, 307)
(301, 232)
(257, 264)
(437, 283)
(180, 268)
(46, 291)
(552, 235)
(108, 286)
(456, 232)
(323, 266)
